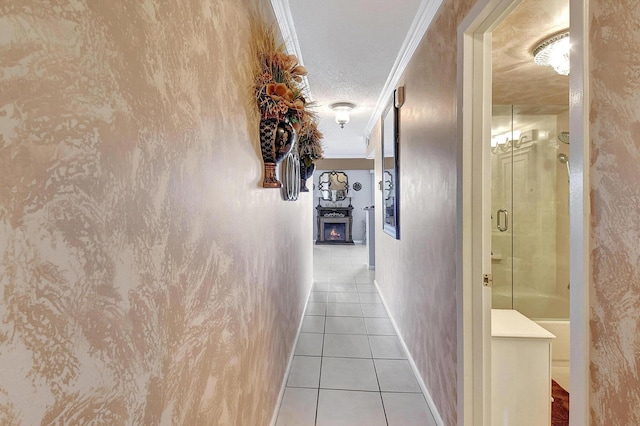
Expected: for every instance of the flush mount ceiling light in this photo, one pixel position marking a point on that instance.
(342, 110)
(554, 52)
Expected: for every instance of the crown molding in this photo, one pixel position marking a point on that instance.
(288, 31)
(419, 26)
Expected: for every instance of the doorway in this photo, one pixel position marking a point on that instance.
(475, 108)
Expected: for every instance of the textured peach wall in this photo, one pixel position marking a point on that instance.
(615, 170)
(145, 278)
(417, 273)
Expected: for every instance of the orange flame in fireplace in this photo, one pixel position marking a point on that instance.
(334, 235)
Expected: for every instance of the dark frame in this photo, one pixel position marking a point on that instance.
(327, 180)
(391, 170)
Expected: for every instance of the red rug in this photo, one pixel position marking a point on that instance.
(560, 405)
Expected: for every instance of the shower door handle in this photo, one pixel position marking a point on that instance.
(504, 213)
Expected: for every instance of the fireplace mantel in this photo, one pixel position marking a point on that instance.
(328, 216)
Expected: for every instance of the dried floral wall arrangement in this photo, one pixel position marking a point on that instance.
(284, 111)
(309, 150)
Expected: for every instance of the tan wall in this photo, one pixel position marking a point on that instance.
(344, 164)
(615, 208)
(416, 274)
(145, 277)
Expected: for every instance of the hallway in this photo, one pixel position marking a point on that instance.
(349, 367)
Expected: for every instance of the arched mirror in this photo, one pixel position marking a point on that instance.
(333, 186)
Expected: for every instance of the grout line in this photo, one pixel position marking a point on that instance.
(324, 329)
(378, 381)
(352, 281)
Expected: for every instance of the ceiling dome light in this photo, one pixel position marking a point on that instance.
(554, 52)
(342, 110)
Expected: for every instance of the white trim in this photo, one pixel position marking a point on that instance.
(412, 363)
(283, 386)
(579, 213)
(474, 240)
(425, 14)
(288, 31)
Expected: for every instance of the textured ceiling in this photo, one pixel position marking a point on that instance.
(516, 78)
(349, 48)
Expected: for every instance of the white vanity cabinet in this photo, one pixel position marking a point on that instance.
(520, 370)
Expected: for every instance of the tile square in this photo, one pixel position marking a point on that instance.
(369, 298)
(316, 308)
(346, 345)
(343, 287)
(298, 407)
(312, 324)
(379, 326)
(321, 274)
(386, 347)
(305, 372)
(345, 325)
(341, 408)
(339, 278)
(396, 375)
(343, 298)
(318, 296)
(309, 344)
(372, 310)
(348, 374)
(364, 277)
(342, 267)
(344, 310)
(366, 288)
(339, 262)
(321, 286)
(407, 409)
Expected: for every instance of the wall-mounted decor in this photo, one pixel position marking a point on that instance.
(390, 170)
(279, 97)
(309, 150)
(357, 186)
(290, 170)
(333, 186)
(276, 141)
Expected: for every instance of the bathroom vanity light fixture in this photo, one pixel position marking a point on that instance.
(515, 139)
(342, 110)
(554, 52)
(506, 141)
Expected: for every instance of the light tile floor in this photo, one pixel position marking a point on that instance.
(349, 367)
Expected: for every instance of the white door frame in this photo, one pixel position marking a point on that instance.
(474, 241)
(579, 212)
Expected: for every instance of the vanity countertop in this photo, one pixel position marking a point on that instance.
(511, 323)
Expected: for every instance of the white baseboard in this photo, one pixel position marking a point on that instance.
(414, 367)
(283, 387)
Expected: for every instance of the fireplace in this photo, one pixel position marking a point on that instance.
(335, 232)
(334, 225)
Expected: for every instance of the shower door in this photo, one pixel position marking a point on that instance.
(529, 202)
(502, 206)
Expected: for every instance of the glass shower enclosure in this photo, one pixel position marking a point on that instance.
(530, 209)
